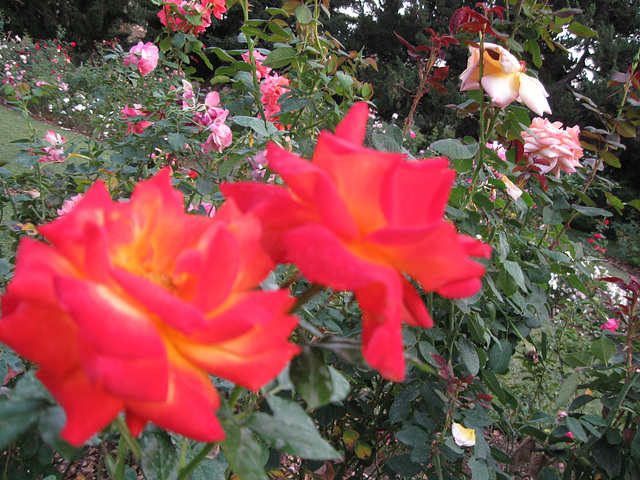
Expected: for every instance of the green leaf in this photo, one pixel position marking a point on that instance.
(469, 355)
(303, 14)
(385, 143)
(551, 216)
(534, 49)
(607, 456)
(412, 436)
(454, 148)
(591, 211)
(210, 469)
(280, 57)
(575, 427)
(159, 457)
(176, 140)
(311, 377)
(401, 406)
(291, 431)
(403, 465)
(635, 204)
(610, 159)
(515, 272)
(635, 446)
(256, 124)
(582, 30)
(17, 416)
(479, 470)
(603, 349)
(499, 356)
(567, 389)
(341, 386)
(243, 452)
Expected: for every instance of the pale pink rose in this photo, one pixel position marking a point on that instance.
(54, 153)
(272, 88)
(499, 149)
(209, 209)
(261, 70)
(144, 56)
(504, 79)
(135, 127)
(612, 325)
(555, 149)
(69, 204)
(221, 135)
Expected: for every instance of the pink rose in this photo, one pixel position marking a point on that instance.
(217, 7)
(261, 70)
(69, 204)
(612, 325)
(221, 135)
(272, 88)
(499, 149)
(555, 149)
(144, 56)
(176, 19)
(55, 151)
(135, 127)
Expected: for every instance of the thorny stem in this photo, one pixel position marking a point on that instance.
(481, 120)
(423, 88)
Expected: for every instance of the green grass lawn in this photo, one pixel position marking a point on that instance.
(13, 126)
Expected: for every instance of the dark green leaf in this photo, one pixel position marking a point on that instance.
(469, 356)
(515, 272)
(290, 430)
(385, 143)
(582, 30)
(311, 377)
(159, 457)
(412, 436)
(454, 148)
(607, 456)
(17, 417)
(499, 357)
(403, 465)
(575, 427)
(176, 140)
(280, 57)
(591, 211)
(567, 389)
(479, 470)
(243, 452)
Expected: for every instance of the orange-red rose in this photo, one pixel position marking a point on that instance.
(359, 219)
(131, 305)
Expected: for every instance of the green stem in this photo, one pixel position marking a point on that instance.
(131, 442)
(195, 461)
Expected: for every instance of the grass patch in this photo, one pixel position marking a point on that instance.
(13, 126)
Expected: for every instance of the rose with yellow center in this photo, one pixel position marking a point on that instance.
(131, 305)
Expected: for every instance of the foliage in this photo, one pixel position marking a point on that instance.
(503, 359)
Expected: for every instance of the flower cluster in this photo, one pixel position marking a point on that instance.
(272, 88)
(180, 15)
(214, 118)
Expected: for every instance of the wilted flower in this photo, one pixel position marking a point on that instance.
(552, 149)
(504, 79)
(464, 437)
(512, 190)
